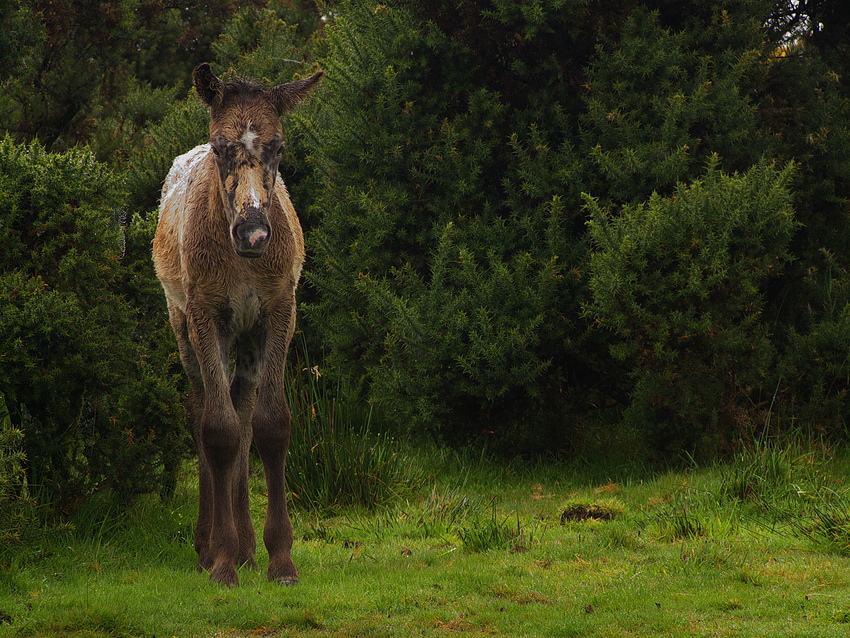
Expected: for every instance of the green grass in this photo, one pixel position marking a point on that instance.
(335, 459)
(476, 548)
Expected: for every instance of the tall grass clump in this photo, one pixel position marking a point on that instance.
(443, 510)
(792, 487)
(490, 531)
(13, 498)
(336, 459)
(769, 472)
(827, 522)
(758, 471)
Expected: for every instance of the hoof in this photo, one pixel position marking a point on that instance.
(285, 574)
(285, 580)
(225, 576)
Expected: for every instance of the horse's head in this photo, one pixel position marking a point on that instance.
(246, 139)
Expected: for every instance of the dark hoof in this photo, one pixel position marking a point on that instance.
(285, 574)
(225, 576)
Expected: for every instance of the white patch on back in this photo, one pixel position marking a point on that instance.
(174, 188)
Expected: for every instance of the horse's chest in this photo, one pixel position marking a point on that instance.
(245, 310)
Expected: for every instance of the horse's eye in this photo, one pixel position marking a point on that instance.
(216, 152)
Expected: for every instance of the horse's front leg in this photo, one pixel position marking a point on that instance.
(220, 434)
(271, 426)
(194, 411)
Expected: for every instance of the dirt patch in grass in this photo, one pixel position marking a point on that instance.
(581, 512)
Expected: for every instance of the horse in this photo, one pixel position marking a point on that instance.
(228, 251)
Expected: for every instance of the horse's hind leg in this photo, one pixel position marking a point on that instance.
(194, 409)
(243, 393)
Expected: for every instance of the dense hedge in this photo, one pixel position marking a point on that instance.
(681, 281)
(451, 264)
(82, 369)
(527, 223)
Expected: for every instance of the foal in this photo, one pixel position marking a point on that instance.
(228, 251)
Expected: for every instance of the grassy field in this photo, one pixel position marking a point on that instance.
(477, 548)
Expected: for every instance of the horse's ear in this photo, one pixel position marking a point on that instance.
(208, 86)
(285, 96)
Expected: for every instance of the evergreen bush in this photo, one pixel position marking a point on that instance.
(78, 364)
(680, 281)
(445, 272)
(814, 368)
(659, 102)
(449, 259)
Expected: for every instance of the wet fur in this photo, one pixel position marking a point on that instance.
(220, 302)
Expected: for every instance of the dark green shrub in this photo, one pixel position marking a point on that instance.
(680, 281)
(445, 269)
(809, 111)
(268, 43)
(452, 144)
(813, 371)
(122, 122)
(66, 67)
(661, 100)
(81, 369)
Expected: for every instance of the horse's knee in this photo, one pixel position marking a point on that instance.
(271, 429)
(221, 441)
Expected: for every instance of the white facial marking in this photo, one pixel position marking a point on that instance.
(253, 189)
(255, 199)
(248, 138)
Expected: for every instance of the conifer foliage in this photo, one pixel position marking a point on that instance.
(83, 380)
(681, 283)
(439, 283)
(451, 265)
(524, 220)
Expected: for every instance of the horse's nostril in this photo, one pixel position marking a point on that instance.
(250, 238)
(256, 235)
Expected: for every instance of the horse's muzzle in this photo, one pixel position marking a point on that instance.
(250, 237)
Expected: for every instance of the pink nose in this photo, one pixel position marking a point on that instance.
(256, 235)
(250, 239)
